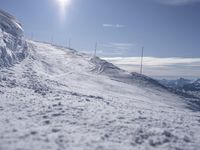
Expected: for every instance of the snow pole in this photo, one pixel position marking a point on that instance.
(52, 40)
(69, 43)
(142, 57)
(95, 49)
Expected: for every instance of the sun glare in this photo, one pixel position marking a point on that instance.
(63, 4)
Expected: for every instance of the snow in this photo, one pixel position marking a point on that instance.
(56, 98)
(13, 47)
(10, 25)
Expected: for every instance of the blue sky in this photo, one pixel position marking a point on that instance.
(166, 28)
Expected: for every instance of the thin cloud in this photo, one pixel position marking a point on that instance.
(116, 48)
(113, 26)
(177, 2)
(119, 46)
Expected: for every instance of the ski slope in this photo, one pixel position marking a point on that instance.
(57, 98)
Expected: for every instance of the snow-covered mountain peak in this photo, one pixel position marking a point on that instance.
(197, 81)
(12, 44)
(10, 24)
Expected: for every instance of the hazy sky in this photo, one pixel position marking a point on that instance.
(166, 28)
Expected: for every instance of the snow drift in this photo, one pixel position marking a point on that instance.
(12, 44)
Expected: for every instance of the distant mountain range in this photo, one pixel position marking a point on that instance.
(194, 86)
(191, 87)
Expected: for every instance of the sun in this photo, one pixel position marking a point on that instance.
(63, 4)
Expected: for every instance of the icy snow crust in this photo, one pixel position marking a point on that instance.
(58, 99)
(12, 45)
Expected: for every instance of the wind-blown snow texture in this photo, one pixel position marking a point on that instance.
(57, 98)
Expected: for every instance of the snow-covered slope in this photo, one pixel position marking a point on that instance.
(12, 44)
(58, 98)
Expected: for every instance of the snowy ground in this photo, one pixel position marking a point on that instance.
(59, 99)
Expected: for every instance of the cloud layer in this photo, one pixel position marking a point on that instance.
(160, 67)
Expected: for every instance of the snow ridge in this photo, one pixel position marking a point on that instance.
(108, 69)
(13, 47)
